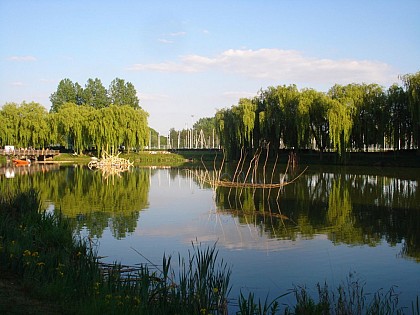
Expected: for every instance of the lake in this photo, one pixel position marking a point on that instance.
(331, 224)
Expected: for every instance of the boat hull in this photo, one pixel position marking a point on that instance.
(18, 162)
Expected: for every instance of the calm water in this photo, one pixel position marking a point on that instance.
(329, 223)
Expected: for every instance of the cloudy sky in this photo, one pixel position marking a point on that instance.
(189, 58)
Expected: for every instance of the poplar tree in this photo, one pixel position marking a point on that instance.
(122, 93)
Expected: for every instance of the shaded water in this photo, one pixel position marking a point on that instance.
(327, 224)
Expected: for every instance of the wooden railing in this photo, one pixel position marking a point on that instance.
(29, 152)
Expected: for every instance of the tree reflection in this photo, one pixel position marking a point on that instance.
(352, 206)
(349, 208)
(90, 201)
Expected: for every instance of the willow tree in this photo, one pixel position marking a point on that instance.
(340, 125)
(73, 121)
(244, 120)
(377, 115)
(108, 130)
(271, 117)
(227, 123)
(289, 98)
(412, 84)
(318, 120)
(132, 126)
(3, 130)
(400, 127)
(11, 117)
(33, 126)
(305, 114)
(279, 118)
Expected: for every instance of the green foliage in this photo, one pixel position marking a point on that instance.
(67, 92)
(79, 119)
(25, 125)
(77, 127)
(95, 94)
(350, 117)
(412, 84)
(122, 93)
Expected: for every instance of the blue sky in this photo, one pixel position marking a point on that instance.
(187, 59)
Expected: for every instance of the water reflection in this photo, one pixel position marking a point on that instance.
(349, 208)
(88, 198)
(346, 207)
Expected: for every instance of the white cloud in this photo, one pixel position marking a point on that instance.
(22, 58)
(281, 65)
(236, 95)
(151, 97)
(163, 67)
(176, 34)
(165, 41)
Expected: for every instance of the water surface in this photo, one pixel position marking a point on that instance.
(330, 223)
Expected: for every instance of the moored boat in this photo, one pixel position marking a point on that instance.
(19, 162)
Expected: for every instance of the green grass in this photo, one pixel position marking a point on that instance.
(72, 158)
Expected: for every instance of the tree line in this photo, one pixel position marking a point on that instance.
(80, 118)
(348, 117)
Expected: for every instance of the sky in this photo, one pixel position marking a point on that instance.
(188, 59)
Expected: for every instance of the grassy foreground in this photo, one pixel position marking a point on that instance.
(45, 269)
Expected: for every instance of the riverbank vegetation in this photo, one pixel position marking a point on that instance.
(62, 274)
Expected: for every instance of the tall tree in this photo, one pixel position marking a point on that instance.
(399, 131)
(412, 84)
(95, 94)
(33, 127)
(11, 117)
(67, 92)
(340, 124)
(122, 93)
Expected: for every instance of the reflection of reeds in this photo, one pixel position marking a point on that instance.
(110, 165)
(250, 180)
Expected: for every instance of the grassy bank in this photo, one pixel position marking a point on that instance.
(45, 269)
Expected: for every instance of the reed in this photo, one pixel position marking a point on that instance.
(349, 298)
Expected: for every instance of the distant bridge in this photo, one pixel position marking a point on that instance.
(32, 154)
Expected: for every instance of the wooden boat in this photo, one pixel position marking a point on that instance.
(19, 162)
